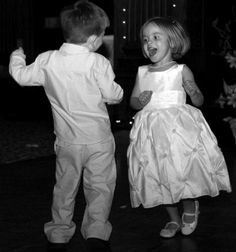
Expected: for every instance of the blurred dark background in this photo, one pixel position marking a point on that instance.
(35, 24)
(26, 131)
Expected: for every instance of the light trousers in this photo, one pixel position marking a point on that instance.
(97, 164)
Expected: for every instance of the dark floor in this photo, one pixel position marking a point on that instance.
(26, 190)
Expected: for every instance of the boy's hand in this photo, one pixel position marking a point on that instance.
(145, 97)
(19, 52)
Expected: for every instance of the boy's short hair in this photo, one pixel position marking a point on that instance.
(177, 35)
(82, 20)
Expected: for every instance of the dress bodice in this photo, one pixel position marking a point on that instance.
(166, 86)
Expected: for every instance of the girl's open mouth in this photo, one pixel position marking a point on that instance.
(152, 51)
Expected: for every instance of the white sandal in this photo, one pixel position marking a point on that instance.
(188, 228)
(168, 232)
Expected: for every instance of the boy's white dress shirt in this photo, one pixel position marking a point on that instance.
(77, 82)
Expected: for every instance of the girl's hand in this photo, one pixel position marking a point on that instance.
(145, 97)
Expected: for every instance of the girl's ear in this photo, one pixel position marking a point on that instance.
(171, 44)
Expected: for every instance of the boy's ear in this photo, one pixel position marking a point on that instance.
(92, 39)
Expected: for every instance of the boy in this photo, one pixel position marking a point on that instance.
(78, 82)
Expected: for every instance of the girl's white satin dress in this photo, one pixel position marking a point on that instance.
(173, 154)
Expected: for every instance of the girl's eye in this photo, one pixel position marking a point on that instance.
(156, 37)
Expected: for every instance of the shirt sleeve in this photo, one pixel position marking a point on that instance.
(111, 91)
(25, 75)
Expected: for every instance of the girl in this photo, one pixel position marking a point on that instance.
(173, 154)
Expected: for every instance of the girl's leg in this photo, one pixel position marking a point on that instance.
(174, 225)
(190, 216)
(189, 208)
(173, 213)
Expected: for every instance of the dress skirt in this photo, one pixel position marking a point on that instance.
(174, 155)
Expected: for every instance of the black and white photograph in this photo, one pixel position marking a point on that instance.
(117, 126)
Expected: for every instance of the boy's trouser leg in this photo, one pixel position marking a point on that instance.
(68, 174)
(99, 184)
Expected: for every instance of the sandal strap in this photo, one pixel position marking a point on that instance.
(172, 222)
(195, 212)
(189, 214)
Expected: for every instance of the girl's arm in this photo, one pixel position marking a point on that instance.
(134, 99)
(139, 99)
(191, 87)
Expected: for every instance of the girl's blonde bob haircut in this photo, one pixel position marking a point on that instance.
(177, 36)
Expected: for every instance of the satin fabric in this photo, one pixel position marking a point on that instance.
(173, 154)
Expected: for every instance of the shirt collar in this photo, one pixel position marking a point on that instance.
(73, 48)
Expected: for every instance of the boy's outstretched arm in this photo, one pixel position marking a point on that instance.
(24, 75)
(17, 63)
